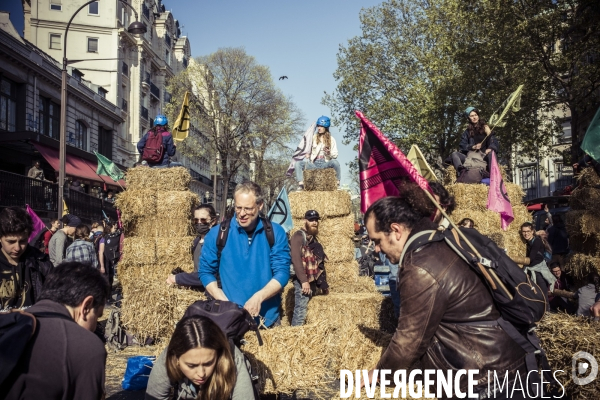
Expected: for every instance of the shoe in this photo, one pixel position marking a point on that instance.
(300, 188)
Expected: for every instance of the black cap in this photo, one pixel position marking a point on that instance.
(312, 214)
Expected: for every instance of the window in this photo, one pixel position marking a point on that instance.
(79, 139)
(105, 139)
(49, 118)
(168, 40)
(529, 179)
(76, 74)
(55, 5)
(8, 105)
(92, 45)
(125, 68)
(93, 9)
(168, 57)
(55, 41)
(146, 11)
(564, 175)
(102, 92)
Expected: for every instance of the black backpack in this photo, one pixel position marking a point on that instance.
(111, 247)
(524, 305)
(234, 321)
(38, 240)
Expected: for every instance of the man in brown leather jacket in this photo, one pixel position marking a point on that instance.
(447, 316)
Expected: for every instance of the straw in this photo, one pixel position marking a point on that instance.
(320, 179)
(329, 204)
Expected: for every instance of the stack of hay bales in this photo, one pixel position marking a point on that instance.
(156, 210)
(583, 226)
(343, 330)
(471, 202)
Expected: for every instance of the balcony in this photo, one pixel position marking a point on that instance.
(155, 91)
(145, 113)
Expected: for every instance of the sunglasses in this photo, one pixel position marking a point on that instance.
(202, 220)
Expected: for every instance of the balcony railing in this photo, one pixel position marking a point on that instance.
(155, 90)
(144, 113)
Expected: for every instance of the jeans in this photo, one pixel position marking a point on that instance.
(319, 163)
(457, 159)
(301, 303)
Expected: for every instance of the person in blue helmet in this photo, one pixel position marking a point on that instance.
(156, 147)
(324, 153)
(473, 140)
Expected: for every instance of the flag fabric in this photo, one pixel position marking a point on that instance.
(513, 103)
(107, 167)
(382, 165)
(498, 197)
(591, 140)
(416, 158)
(181, 127)
(65, 208)
(281, 211)
(303, 149)
(38, 224)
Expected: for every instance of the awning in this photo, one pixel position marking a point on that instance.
(75, 166)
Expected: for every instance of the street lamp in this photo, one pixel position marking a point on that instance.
(136, 28)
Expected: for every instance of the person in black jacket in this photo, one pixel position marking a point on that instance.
(474, 139)
(23, 268)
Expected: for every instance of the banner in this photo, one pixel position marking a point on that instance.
(416, 158)
(281, 211)
(303, 149)
(382, 166)
(181, 127)
(498, 197)
(38, 224)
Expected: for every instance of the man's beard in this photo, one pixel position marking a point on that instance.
(312, 231)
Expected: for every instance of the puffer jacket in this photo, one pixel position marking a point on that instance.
(446, 318)
(467, 142)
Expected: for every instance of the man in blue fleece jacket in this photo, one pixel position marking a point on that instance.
(252, 272)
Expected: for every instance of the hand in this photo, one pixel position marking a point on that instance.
(576, 165)
(488, 151)
(477, 146)
(171, 280)
(102, 271)
(253, 304)
(306, 288)
(369, 377)
(546, 208)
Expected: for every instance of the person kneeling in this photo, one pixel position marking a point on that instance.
(199, 364)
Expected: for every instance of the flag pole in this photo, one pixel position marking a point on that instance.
(489, 274)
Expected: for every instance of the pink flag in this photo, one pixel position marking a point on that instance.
(382, 166)
(38, 224)
(497, 197)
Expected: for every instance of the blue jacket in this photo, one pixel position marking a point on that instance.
(247, 268)
(168, 145)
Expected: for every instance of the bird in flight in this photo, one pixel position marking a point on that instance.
(283, 77)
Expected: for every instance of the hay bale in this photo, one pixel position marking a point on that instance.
(579, 266)
(330, 228)
(588, 177)
(586, 198)
(449, 176)
(335, 203)
(136, 204)
(138, 251)
(580, 222)
(320, 179)
(562, 336)
(174, 208)
(343, 277)
(158, 179)
(474, 196)
(589, 245)
(175, 252)
(338, 249)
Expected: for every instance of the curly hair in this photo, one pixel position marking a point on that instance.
(407, 209)
(15, 221)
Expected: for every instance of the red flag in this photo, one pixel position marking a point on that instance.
(382, 165)
(497, 196)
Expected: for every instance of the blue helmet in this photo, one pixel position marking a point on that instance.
(468, 111)
(324, 121)
(160, 120)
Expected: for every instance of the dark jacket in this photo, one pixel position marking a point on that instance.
(30, 275)
(443, 315)
(535, 251)
(62, 361)
(168, 145)
(467, 142)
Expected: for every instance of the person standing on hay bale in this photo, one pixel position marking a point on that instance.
(324, 153)
(205, 218)
(448, 318)
(64, 359)
(308, 258)
(472, 140)
(156, 147)
(59, 241)
(250, 254)
(23, 268)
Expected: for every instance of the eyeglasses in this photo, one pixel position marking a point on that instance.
(202, 220)
(246, 210)
(524, 232)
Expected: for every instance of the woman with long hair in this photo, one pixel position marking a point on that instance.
(474, 139)
(199, 364)
(323, 155)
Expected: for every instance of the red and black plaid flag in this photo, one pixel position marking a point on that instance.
(382, 166)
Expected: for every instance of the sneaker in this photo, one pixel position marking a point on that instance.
(300, 188)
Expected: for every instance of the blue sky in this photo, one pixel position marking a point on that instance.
(299, 39)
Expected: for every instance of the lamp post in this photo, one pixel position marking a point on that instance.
(135, 28)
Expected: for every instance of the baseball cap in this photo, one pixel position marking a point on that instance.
(73, 221)
(312, 214)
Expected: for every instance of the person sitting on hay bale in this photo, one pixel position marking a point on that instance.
(198, 364)
(324, 153)
(560, 303)
(156, 147)
(254, 262)
(308, 259)
(443, 300)
(476, 141)
(205, 218)
(534, 263)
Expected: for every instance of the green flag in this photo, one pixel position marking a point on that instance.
(591, 141)
(107, 167)
(513, 103)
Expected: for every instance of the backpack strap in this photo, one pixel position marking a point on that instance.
(416, 241)
(269, 230)
(222, 237)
